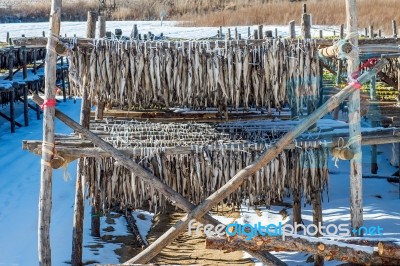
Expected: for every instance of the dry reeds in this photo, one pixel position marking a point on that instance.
(378, 13)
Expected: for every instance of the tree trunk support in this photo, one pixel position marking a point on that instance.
(45, 194)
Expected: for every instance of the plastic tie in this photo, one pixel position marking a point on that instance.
(48, 103)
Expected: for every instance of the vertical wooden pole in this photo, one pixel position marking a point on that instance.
(394, 27)
(91, 24)
(380, 33)
(292, 29)
(248, 33)
(356, 209)
(236, 34)
(135, 32)
(255, 35)
(34, 61)
(317, 220)
(77, 231)
(304, 8)
(341, 31)
(12, 107)
(45, 195)
(321, 35)
(8, 37)
(228, 35)
(306, 26)
(260, 32)
(276, 33)
(296, 208)
(26, 107)
(366, 32)
(63, 79)
(24, 62)
(220, 32)
(11, 63)
(374, 106)
(371, 32)
(102, 26)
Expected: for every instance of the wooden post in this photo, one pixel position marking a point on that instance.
(321, 35)
(44, 33)
(341, 31)
(306, 26)
(135, 32)
(292, 29)
(77, 232)
(239, 36)
(371, 32)
(255, 35)
(394, 27)
(220, 32)
(228, 35)
(45, 195)
(276, 33)
(380, 33)
(260, 32)
(8, 37)
(11, 63)
(26, 107)
(149, 253)
(34, 61)
(356, 209)
(236, 34)
(304, 8)
(91, 24)
(24, 62)
(102, 26)
(297, 207)
(366, 32)
(63, 79)
(12, 107)
(317, 220)
(248, 33)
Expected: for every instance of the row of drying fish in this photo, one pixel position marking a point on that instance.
(198, 175)
(268, 74)
(17, 57)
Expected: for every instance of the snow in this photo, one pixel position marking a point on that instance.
(168, 28)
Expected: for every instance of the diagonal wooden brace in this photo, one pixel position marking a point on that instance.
(142, 173)
(227, 189)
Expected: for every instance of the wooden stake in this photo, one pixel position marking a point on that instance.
(45, 195)
(292, 29)
(371, 31)
(77, 232)
(260, 32)
(227, 189)
(102, 26)
(91, 24)
(374, 123)
(394, 27)
(306, 26)
(341, 32)
(356, 210)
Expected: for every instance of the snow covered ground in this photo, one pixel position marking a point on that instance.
(19, 186)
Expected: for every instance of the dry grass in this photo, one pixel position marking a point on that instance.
(378, 13)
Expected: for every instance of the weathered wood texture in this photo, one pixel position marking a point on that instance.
(330, 250)
(240, 177)
(356, 209)
(45, 194)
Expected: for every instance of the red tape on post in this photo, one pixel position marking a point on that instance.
(48, 103)
(353, 77)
